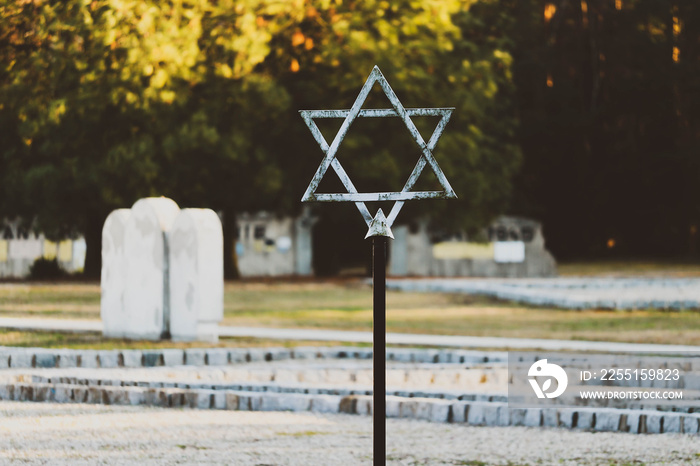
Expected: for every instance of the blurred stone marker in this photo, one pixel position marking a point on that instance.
(113, 276)
(509, 251)
(515, 247)
(25, 248)
(196, 275)
(146, 258)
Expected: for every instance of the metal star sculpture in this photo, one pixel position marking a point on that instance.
(379, 225)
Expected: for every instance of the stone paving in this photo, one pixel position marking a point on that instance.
(412, 339)
(464, 387)
(571, 293)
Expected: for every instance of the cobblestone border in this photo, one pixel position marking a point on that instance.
(565, 293)
(448, 411)
(304, 389)
(42, 358)
(434, 405)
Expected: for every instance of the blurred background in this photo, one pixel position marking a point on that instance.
(580, 115)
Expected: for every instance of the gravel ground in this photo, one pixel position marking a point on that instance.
(48, 433)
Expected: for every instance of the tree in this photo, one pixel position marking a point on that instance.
(95, 95)
(433, 54)
(607, 97)
(105, 102)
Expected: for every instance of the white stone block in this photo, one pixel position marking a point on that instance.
(237, 355)
(672, 422)
(7, 392)
(533, 417)
(146, 293)
(439, 411)
(136, 396)
(44, 359)
(567, 416)
(255, 354)
(249, 401)
(325, 404)
(63, 394)
(89, 359)
(80, 394)
(67, 358)
(503, 415)
(94, 395)
(195, 356)
(476, 415)
(113, 277)
(108, 359)
(196, 249)
(219, 400)
(217, 357)
(509, 251)
(43, 393)
(364, 405)
(132, 358)
(173, 357)
(4, 360)
(231, 400)
(279, 354)
(176, 398)
(654, 423)
(21, 359)
(459, 411)
(631, 421)
(691, 424)
(550, 417)
(407, 408)
(585, 419)
(199, 399)
(517, 416)
(607, 420)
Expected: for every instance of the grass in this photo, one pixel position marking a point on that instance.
(618, 268)
(32, 339)
(58, 300)
(346, 305)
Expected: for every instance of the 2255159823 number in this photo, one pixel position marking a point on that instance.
(640, 374)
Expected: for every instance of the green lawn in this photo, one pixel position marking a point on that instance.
(630, 268)
(94, 341)
(346, 305)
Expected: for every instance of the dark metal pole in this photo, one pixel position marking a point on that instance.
(379, 347)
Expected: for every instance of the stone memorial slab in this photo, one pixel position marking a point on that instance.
(113, 276)
(509, 251)
(196, 275)
(25, 248)
(146, 258)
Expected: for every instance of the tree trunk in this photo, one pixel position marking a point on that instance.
(93, 253)
(230, 259)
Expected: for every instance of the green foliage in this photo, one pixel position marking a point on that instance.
(46, 269)
(106, 101)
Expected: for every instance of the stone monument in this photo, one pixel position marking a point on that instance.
(196, 275)
(146, 259)
(512, 247)
(113, 277)
(162, 272)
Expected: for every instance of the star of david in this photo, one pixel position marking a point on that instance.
(379, 222)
